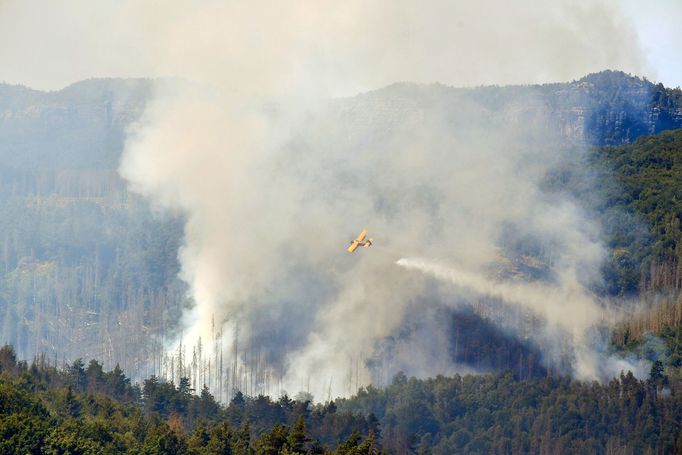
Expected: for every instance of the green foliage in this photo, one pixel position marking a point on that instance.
(492, 414)
(648, 175)
(656, 376)
(71, 404)
(297, 436)
(81, 410)
(22, 432)
(8, 359)
(42, 412)
(635, 192)
(672, 335)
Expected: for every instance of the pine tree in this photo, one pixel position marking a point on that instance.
(297, 436)
(73, 406)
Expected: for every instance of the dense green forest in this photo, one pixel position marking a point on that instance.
(634, 191)
(647, 187)
(642, 212)
(82, 409)
(498, 414)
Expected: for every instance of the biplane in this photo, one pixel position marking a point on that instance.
(360, 241)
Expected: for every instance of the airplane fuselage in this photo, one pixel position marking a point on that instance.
(360, 241)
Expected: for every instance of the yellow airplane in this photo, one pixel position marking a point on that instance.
(360, 241)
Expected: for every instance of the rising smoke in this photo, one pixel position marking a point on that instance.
(570, 315)
(275, 177)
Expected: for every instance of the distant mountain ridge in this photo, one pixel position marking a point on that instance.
(83, 125)
(605, 108)
(79, 127)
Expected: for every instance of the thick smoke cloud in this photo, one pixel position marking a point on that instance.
(262, 46)
(570, 317)
(275, 178)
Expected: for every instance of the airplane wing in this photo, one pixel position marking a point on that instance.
(357, 241)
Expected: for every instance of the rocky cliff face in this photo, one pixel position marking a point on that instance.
(79, 127)
(612, 108)
(83, 126)
(607, 108)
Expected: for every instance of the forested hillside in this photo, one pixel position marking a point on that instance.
(642, 183)
(497, 414)
(634, 191)
(647, 184)
(84, 409)
(90, 270)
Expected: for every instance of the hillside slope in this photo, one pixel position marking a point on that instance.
(90, 270)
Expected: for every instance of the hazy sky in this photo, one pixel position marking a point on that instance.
(658, 26)
(361, 45)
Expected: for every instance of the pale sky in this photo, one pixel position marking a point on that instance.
(658, 25)
(351, 46)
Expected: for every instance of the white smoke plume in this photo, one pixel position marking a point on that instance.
(275, 177)
(567, 307)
